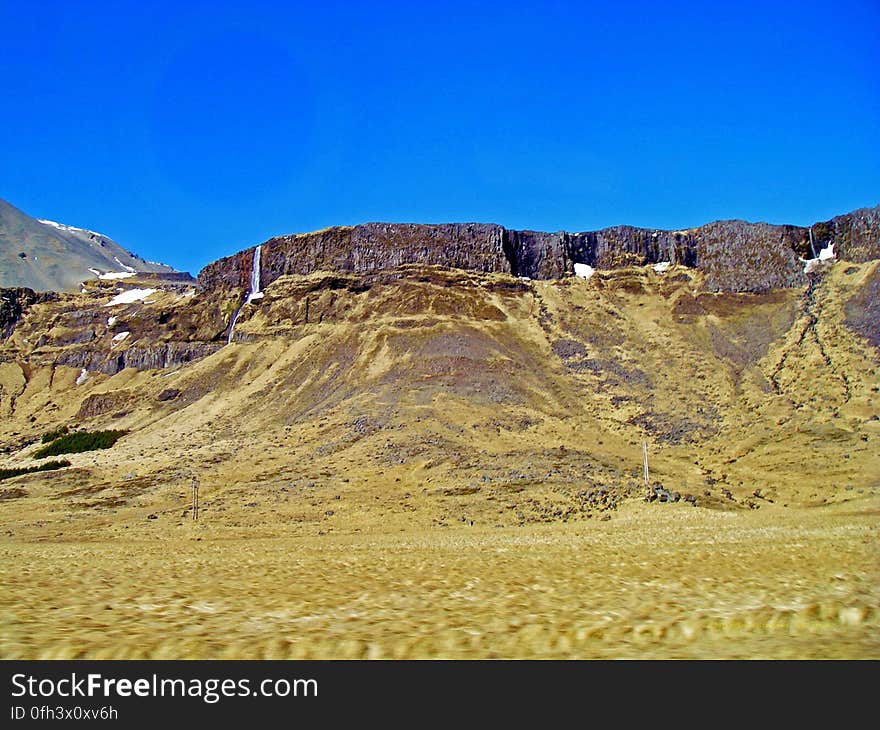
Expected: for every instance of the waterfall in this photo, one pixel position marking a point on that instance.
(253, 293)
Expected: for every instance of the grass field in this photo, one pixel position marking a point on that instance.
(651, 583)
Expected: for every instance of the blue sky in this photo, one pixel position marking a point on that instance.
(188, 131)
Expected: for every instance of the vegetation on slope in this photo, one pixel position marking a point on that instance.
(57, 433)
(75, 443)
(45, 466)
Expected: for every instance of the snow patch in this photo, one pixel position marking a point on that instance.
(120, 337)
(127, 268)
(584, 271)
(110, 275)
(83, 376)
(826, 254)
(111, 321)
(130, 296)
(59, 226)
(662, 267)
(71, 229)
(811, 265)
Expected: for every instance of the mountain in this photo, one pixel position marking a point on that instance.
(49, 256)
(428, 441)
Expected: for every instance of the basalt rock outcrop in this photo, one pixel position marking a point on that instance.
(14, 302)
(139, 357)
(735, 256)
(87, 332)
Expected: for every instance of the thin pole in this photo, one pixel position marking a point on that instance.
(645, 454)
(195, 499)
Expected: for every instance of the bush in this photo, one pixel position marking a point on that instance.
(50, 436)
(75, 443)
(45, 466)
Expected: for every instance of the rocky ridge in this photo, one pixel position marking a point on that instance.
(735, 256)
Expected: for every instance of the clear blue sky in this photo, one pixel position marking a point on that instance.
(188, 131)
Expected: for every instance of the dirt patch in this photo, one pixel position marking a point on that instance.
(13, 493)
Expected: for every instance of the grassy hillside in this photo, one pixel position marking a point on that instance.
(460, 451)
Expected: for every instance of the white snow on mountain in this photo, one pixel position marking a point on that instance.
(826, 254)
(127, 268)
(130, 296)
(72, 229)
(110, 275)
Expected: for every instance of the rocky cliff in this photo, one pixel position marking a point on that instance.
(735, 255)
(14, 302)
(163, 329)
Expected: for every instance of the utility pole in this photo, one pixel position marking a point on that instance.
(195, 498)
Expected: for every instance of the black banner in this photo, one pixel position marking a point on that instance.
(132, 693)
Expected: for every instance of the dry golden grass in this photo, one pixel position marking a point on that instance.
(650, 583)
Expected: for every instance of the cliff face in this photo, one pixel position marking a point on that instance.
(735, 256)
(857, 234)
(363, 249)
(87, 331)
(13, 303)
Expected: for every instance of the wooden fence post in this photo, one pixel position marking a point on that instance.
(195, 498)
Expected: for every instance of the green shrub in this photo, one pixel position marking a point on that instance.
(75, 443)
(45, 466)
(50, 436)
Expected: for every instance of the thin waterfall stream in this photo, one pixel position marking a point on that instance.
(253, 293)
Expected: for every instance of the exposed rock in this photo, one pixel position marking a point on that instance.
(738, 256)
(735, 255)
(863, 310)
(140, 357)
(97, 404)
(168, 394)
(856, 235)
(13, 302)
(569, 349)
